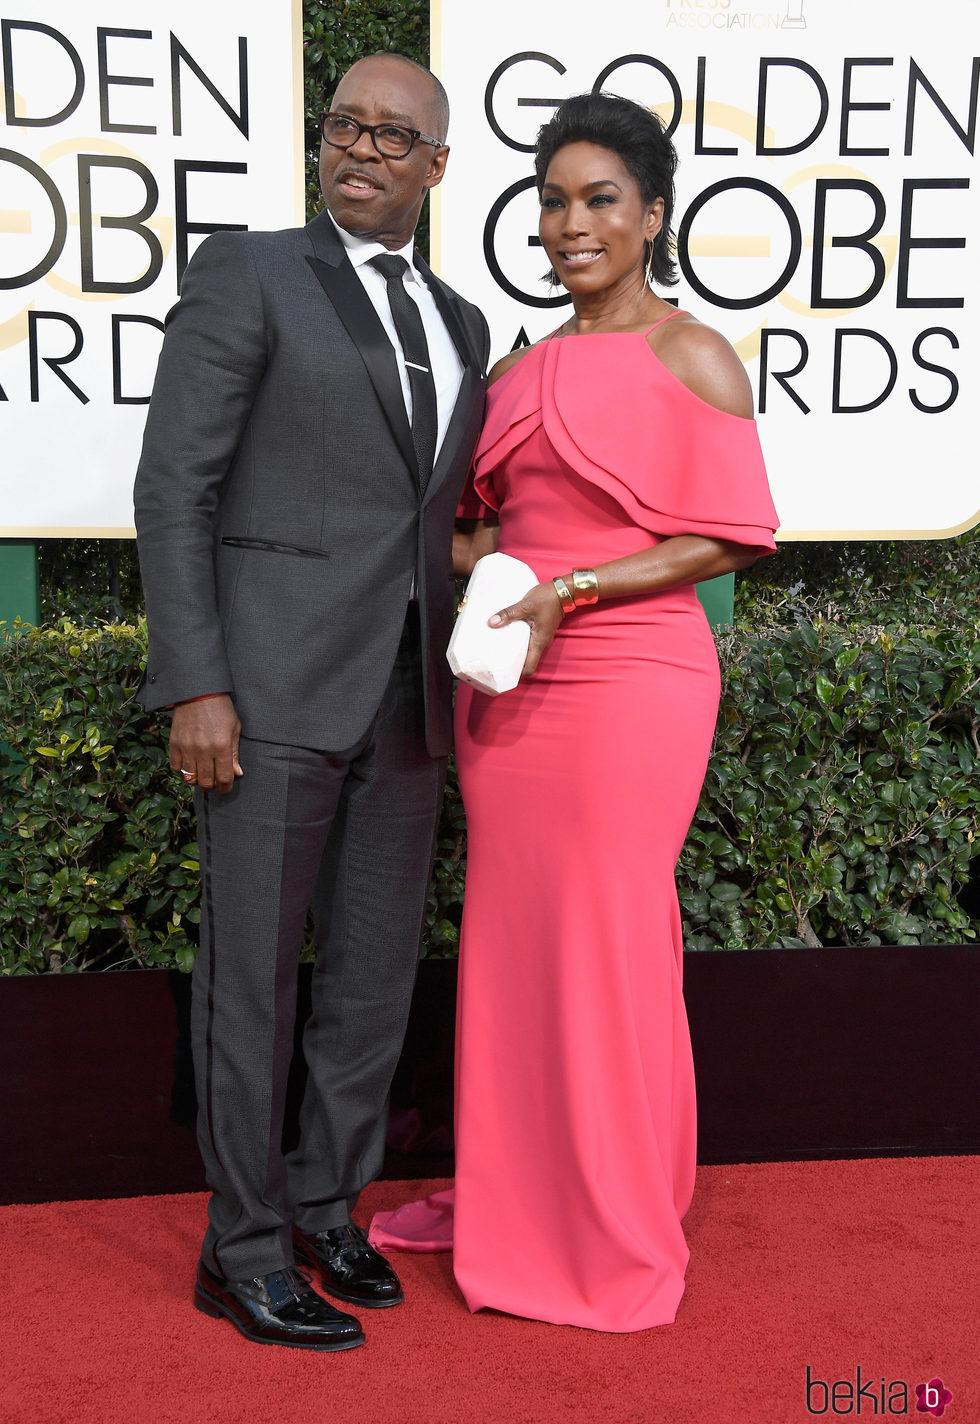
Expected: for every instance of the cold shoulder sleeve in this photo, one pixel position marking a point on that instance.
(677, 465)
(614, 413)
(620, 419)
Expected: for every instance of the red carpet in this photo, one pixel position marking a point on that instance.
(834, 1265)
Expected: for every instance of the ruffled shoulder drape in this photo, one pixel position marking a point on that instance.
(620, 419)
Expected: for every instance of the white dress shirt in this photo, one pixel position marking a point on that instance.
(447, 368)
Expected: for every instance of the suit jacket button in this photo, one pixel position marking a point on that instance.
(152, 677)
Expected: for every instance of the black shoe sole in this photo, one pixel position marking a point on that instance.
(208, 1306)
(358, 1300)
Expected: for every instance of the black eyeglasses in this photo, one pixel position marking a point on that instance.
(390, 140)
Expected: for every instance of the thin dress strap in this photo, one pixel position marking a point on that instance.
(679, 312)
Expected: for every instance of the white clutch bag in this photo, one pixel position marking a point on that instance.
(491, 659)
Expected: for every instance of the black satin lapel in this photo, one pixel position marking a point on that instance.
(447, 310)
(353, 305)
(470, 392)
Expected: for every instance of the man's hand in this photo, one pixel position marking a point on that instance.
(541, 608)
(204, 741)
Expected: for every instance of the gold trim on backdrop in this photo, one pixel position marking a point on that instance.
(435, 37)
(716, 115)
(163, 226)
(299, 118)
(435, 196)
(748, 347)
(734, 244)
(85, 144)
(65, 531)
(804, 536)
(435, 231)
(783, 536)
(15, 220)
(14, 330)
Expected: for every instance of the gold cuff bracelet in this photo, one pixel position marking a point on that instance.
(586, 587)
(565, 595)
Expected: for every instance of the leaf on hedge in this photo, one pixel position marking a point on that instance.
(825, 689)
(725, 891)
(784, 688)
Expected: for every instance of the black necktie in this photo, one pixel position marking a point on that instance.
(415, 348)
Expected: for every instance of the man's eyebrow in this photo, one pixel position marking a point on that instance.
(388, 115)
(408, 119)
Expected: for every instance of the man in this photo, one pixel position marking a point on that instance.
(311, 424)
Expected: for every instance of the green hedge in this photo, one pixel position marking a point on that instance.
(98, 862)
(842, 804)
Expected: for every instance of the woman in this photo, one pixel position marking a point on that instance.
(623, 460)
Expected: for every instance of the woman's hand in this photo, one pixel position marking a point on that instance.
(541, 608)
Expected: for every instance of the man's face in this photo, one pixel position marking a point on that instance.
(367, 194)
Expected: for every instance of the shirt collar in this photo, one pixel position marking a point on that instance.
(360, 250)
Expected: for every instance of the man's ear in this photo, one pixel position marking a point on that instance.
(437, 166)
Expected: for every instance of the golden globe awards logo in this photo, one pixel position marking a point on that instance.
(825, 216)
(839, 238)
(100, 187)
(126, 137)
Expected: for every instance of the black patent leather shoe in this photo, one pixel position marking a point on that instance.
(350, 1269)
(281, 1308)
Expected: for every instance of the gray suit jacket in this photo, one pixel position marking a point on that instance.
(278, 508)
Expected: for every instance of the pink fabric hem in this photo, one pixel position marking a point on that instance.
(425, 1225)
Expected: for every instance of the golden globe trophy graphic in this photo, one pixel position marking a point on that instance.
(794, 18)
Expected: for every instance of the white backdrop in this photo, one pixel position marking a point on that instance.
(157, 120)
(845, 272)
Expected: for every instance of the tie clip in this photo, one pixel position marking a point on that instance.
(416, 367)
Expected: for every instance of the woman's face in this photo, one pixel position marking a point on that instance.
(594, 224)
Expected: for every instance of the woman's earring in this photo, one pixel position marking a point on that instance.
(648, 273)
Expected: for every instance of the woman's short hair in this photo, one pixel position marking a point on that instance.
(638, 137)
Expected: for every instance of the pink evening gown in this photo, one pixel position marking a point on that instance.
(575, 1132)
